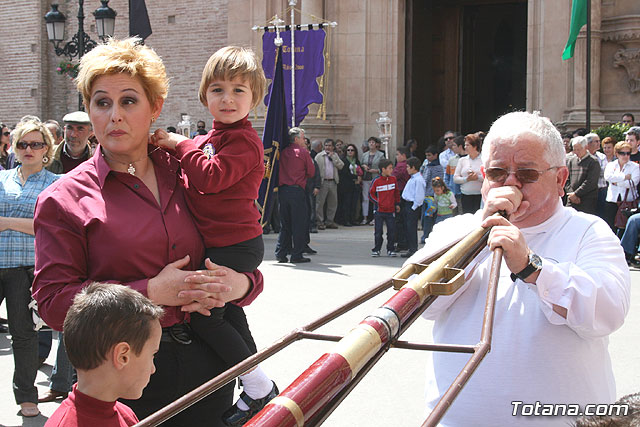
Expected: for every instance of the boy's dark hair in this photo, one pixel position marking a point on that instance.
(103, 315)
(403, 150)
(414, 162)
(633, 119)
(432, 149)
(384, 163)
(623, 418)
(459, 140)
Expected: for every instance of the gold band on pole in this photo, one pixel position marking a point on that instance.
(358, 346)
(291, 406)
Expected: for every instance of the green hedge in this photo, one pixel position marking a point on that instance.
(614, 130)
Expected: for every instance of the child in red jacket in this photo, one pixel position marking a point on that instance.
(222, 172)
(384, 192)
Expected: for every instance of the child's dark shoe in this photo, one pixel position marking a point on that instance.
(235, 416)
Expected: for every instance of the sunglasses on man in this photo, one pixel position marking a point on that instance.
(524, 175)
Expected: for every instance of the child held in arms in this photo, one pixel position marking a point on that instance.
(222, 172)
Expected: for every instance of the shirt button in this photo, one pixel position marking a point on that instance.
(546, 293)
(136, 186)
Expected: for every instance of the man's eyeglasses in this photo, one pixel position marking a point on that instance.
(449, 138)
(200, 127)
(7, 133)
(624, 153)
(524, 175)
(33, 145)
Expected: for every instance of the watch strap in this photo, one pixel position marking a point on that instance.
(525, 272)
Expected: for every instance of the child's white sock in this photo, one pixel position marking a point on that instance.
(256, 384)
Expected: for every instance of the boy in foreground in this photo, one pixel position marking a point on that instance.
(111, 334)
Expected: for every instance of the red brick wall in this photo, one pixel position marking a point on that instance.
(30, 85)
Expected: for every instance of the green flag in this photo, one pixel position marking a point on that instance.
(578, 20)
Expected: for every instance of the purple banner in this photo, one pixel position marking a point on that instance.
(309, 66)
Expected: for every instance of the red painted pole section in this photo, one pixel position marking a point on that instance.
(333, 371)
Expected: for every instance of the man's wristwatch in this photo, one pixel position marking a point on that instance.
(535, 264)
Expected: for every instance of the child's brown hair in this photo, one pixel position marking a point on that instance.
(231, 62)
(103, 315)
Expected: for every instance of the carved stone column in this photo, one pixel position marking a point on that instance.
(625, 31)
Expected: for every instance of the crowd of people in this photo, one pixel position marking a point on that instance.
(179, 217)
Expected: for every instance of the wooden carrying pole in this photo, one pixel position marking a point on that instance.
(311, 398)
(305, 398)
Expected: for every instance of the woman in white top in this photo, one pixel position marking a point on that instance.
(623, 177)
(469, 175)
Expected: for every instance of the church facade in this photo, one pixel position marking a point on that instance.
(433, 65)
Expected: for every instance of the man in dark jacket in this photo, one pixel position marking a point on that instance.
(584, 171)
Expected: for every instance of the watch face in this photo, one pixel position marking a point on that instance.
(536, 261)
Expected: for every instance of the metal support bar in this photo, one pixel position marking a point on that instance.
(304, 332)
(483, 347)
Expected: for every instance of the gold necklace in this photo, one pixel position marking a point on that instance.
(131, 169)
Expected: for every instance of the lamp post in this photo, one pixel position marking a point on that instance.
(384, 126)
(80, 43)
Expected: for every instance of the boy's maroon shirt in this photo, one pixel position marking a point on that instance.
(401, 174)
(221, 190)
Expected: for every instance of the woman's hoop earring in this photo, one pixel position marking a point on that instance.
(45, 159)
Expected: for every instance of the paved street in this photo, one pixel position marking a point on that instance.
(294, 295)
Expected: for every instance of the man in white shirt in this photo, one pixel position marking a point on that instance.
(563, 288)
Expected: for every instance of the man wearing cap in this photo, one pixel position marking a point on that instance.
(75, 147)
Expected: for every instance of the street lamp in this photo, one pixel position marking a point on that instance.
(105, 20)
(80, 43)
(384, 126)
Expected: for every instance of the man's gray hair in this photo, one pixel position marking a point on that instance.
(591, 136)
(316, 144)
(579, 140)
(510, 127)
(294, 133)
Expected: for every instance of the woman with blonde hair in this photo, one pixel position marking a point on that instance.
(19, 188)
(121, 216)
(623, 177)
